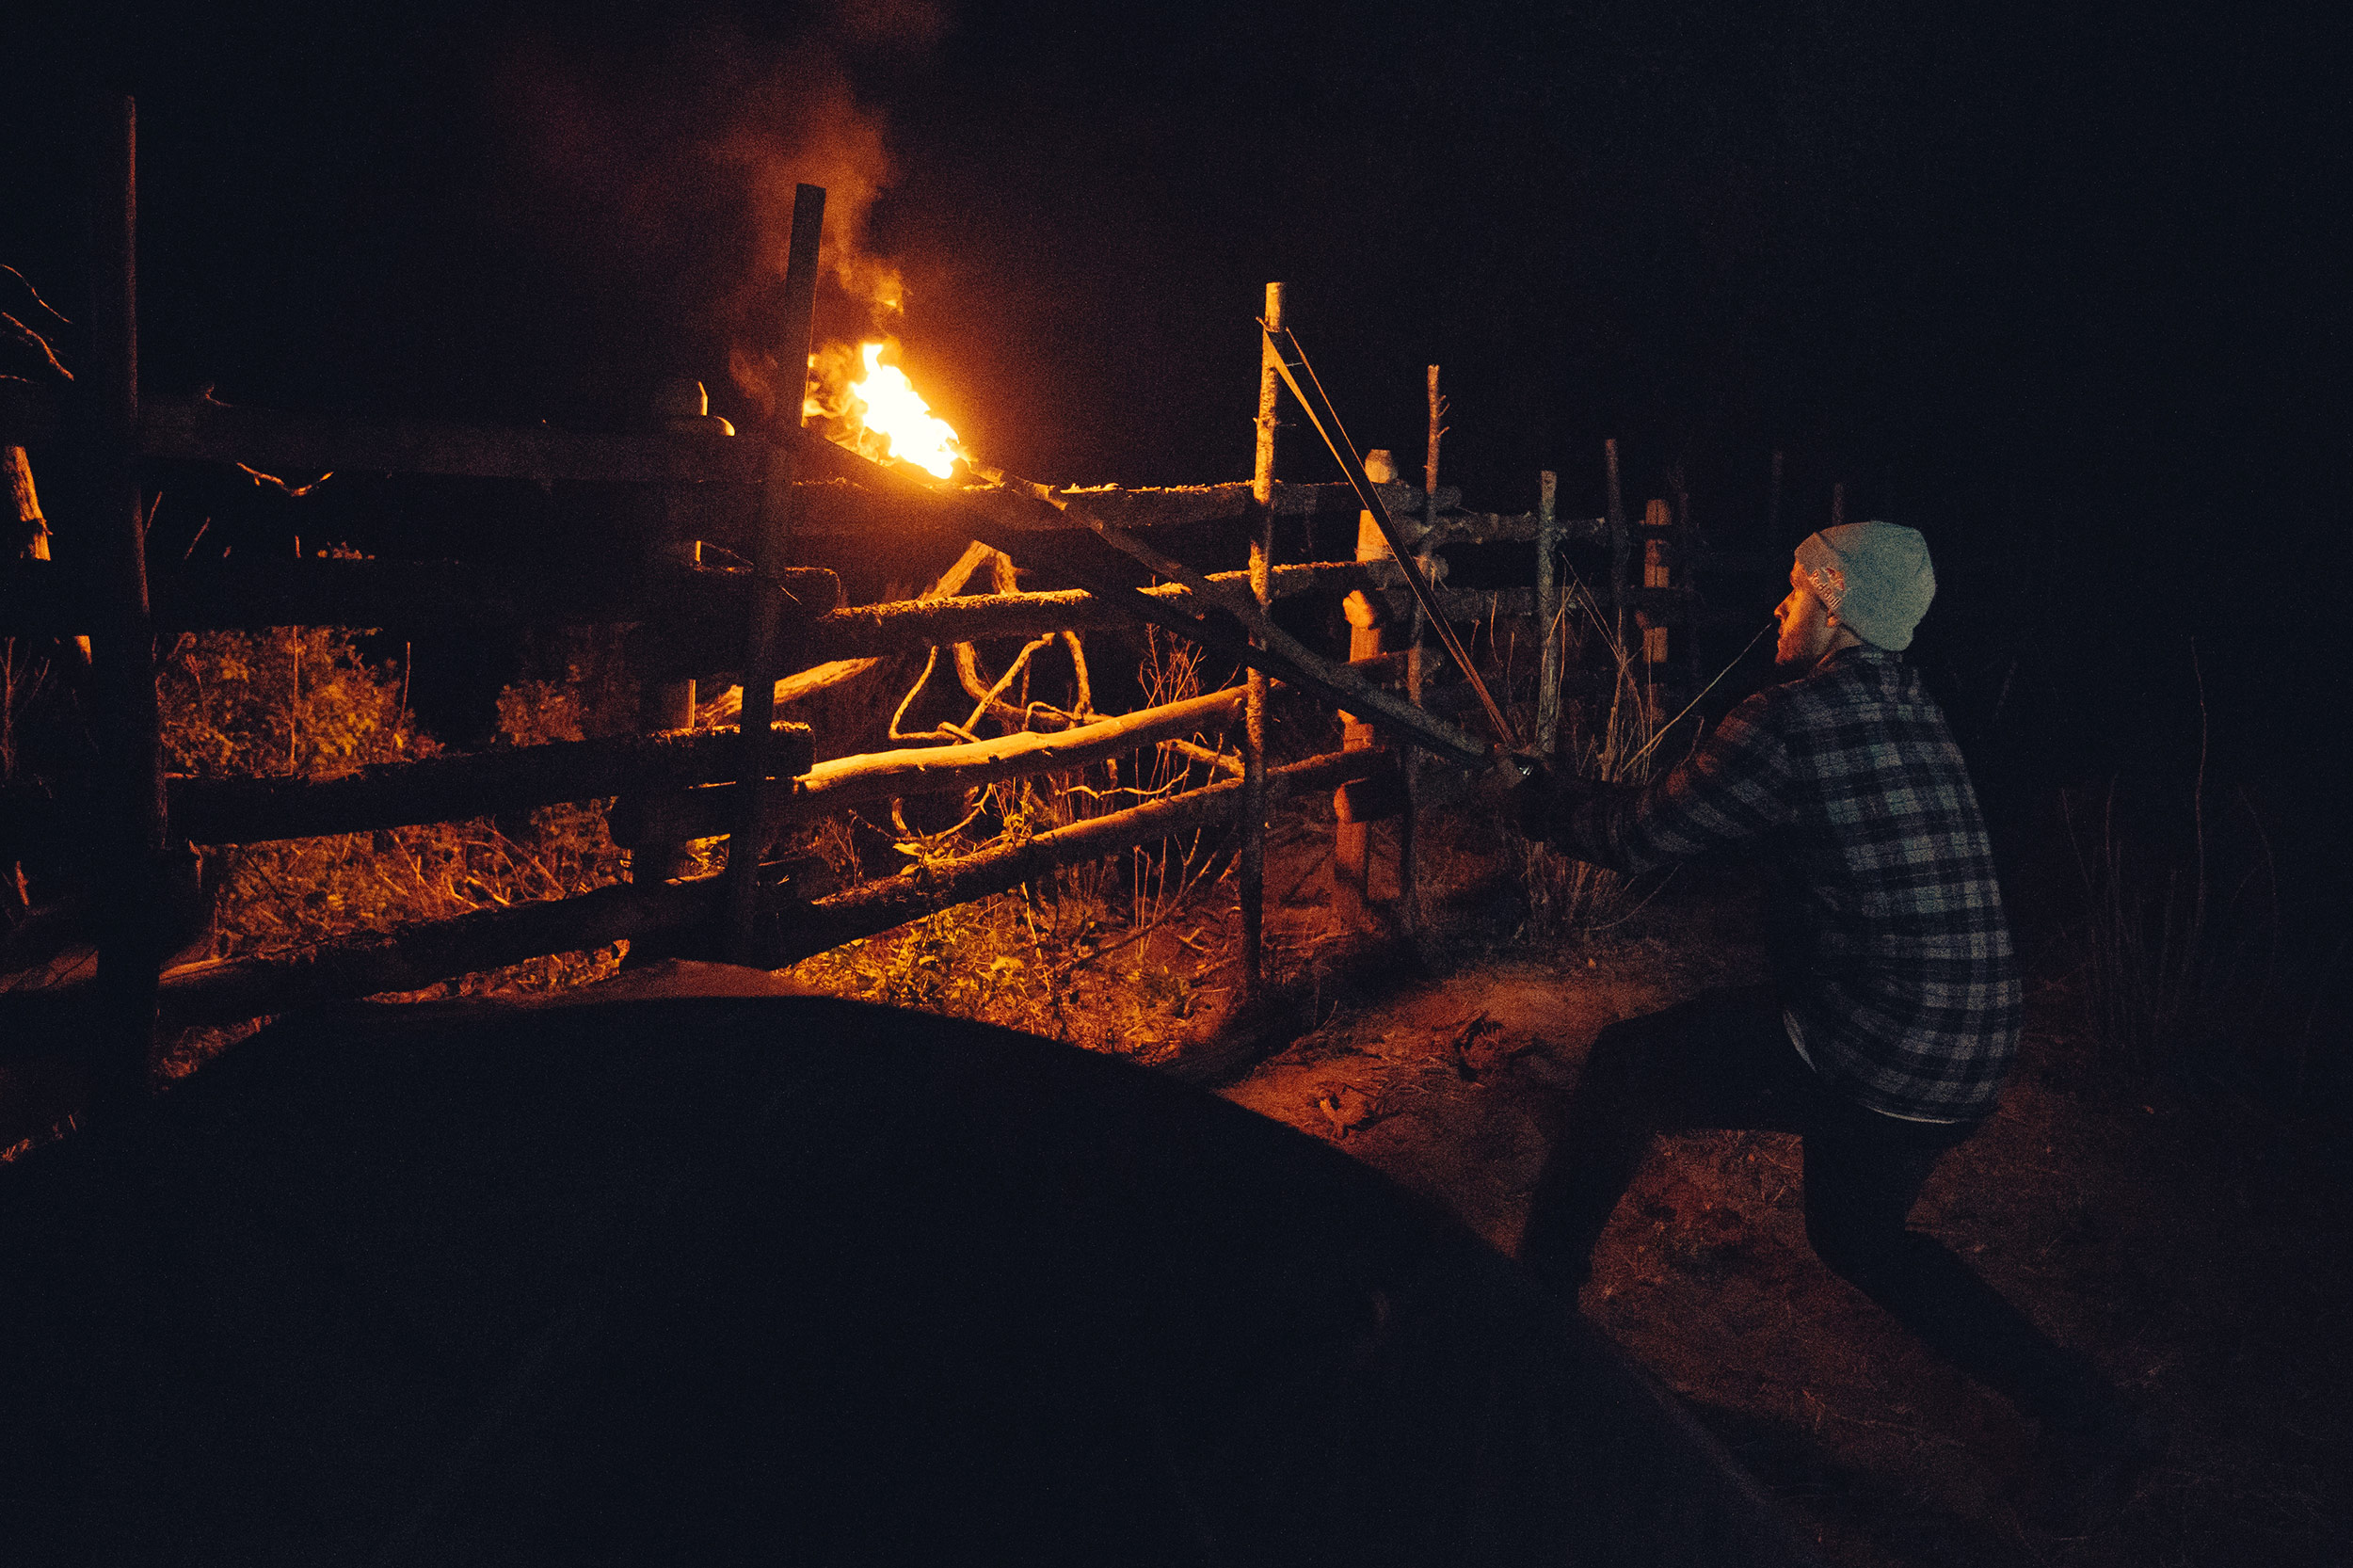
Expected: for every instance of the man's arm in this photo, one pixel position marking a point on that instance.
(1738, 784)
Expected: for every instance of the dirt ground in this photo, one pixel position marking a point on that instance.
(2186, 1243)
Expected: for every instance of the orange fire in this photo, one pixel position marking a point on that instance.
(873, 409)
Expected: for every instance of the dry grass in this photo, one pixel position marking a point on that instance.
(1611, 740)
(303, 701)
(1115, 955)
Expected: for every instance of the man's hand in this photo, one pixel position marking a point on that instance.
(1543, 799)
(1530, 800)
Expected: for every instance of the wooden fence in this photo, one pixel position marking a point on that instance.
(752, 783)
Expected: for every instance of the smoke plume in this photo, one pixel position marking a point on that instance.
(667, 165)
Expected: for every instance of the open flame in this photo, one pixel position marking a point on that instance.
(872, 407)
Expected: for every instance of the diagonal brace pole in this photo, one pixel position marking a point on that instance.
(1291, 659)
(1292, 363)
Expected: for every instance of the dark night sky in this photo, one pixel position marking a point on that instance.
(2055, 283)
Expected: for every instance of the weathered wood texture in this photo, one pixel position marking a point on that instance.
(702, 813)
(765, 623)
(1250, 864)
(446, 789)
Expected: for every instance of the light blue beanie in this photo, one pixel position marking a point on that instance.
(1874, 576)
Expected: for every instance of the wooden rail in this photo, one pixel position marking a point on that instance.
(418, 953)
(703, 814)
(403, 794)
(46, 599)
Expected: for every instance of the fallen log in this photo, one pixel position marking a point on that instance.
(704, 813)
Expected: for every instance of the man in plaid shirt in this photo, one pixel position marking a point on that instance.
(1894, 1008)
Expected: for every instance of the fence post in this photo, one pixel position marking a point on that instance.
(1251, 868)
(681, 405)
(773, 537)
(1548, 627)
(1409, 825)
(1657, 515)
(1351, 842)
(123, 653)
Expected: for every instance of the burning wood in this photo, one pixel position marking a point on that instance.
(874, 410)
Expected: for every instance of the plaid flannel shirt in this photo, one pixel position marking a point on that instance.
(1890, 946)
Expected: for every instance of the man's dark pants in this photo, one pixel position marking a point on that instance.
(1723, 1060)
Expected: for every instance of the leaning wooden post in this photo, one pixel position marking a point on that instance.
(124, 652)
(774, 536)
(1252, 868)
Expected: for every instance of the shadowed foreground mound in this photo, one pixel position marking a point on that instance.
(792, 1279)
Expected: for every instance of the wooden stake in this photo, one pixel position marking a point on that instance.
(760, 659)
(1351, 842)
(1251, 867)
(123, 651)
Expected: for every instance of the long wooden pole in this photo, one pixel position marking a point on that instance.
(1251, 865)
(760, 659)
(124, 652)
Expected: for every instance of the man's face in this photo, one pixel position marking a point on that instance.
(1806, 625)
